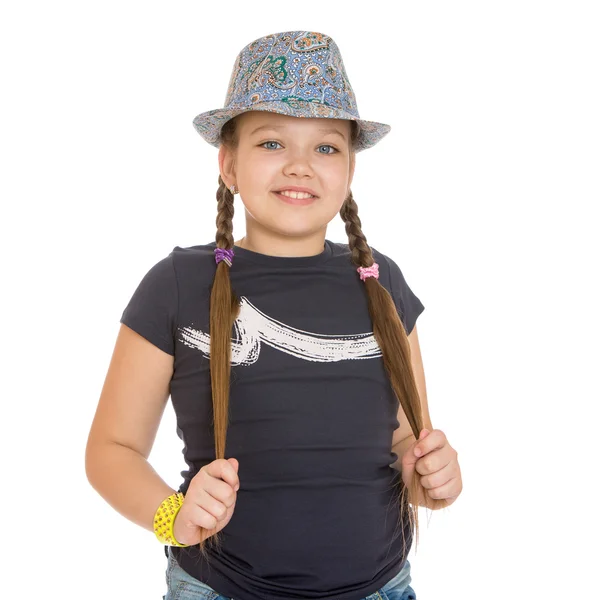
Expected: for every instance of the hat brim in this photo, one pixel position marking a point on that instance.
(208, 124)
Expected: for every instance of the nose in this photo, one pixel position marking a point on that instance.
(298, 164)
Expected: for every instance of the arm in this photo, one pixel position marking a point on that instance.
(126, 481)
(130, 409)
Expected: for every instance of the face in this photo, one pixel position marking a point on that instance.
(296, 153)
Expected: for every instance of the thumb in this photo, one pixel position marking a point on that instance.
(409, 460)
(424, 433)
(234, 463)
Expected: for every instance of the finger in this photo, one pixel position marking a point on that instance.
(433, 462)
(205, 518)
(212, 505)
(435, 439)
(221, 491)
(436, 478)
(231, 476)
(198, 516)
(450, 489)
(222, 469)
(408, 455)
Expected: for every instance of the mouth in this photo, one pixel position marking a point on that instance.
(295, 201)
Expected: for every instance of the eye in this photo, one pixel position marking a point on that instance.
(329, 146)
(268, 142)
(323, 146)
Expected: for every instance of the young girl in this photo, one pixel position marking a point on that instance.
(295, 355)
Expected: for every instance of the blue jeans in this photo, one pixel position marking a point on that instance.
(182, 586)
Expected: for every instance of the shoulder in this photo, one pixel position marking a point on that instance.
(195, 253)
(198, 259)
(193, 261)
(395, 277)
(342, 251)
(407, 302)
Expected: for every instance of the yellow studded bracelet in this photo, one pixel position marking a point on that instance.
(165, 518)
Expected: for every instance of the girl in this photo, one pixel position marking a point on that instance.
(301, 352)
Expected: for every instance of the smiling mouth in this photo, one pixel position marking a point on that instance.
(298, 201)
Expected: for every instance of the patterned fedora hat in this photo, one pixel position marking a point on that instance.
(294, 73)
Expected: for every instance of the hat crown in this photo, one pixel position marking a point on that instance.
(293, 67)
(293, 73)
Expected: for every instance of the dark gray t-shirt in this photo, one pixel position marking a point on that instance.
(311, 418)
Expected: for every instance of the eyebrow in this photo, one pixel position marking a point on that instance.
(279, 127)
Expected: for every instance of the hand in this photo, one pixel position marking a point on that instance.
(437, 463)
(209, 502)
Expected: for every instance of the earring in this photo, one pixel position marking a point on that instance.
(233, 190)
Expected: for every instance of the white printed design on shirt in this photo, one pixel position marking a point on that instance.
(253, 328)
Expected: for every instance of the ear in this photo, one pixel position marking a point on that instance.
(226, 165)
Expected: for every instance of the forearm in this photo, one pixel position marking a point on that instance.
(126, 481)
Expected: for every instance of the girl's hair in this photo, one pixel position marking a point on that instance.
(388, 330)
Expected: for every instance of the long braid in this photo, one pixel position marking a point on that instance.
(224, 309)
(391, 337)
(223, 306)
(395, 334)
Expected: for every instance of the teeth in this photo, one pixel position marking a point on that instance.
(296, 194)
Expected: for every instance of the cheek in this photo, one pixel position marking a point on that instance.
(335, 181)
(258, 173)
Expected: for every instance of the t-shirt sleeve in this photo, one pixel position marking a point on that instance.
(408, 304)
(152, 309)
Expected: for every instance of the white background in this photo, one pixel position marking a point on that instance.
(481, 193)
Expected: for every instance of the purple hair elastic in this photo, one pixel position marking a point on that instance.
(223, 254)
(365, 272)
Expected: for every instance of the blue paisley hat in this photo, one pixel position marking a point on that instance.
(294, 73)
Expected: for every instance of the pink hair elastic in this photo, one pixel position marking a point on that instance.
(223, 254)
(365, 272)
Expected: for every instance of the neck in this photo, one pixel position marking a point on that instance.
(276, 247)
